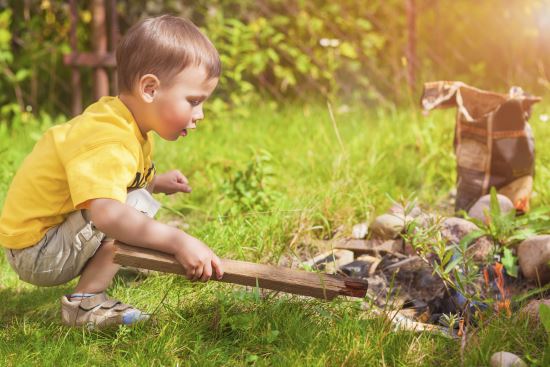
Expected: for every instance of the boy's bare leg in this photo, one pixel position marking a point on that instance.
(99, 271)
(95, 278)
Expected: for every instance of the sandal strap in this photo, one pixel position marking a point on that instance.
(111, 303)
(122, 307)
(90, 303)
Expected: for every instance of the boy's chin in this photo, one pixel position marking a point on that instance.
(170, 137)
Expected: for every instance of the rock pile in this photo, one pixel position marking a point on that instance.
(402, 280)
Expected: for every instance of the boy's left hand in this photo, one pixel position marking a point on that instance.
(171, 182)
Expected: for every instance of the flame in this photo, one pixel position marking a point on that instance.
(522, 204)
(504, 302)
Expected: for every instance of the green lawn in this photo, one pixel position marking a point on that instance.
(316, 188)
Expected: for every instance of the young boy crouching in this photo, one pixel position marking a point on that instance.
(89, 181)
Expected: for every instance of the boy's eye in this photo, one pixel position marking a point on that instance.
(194, 102)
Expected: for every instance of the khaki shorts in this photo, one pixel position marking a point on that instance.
(65, 249)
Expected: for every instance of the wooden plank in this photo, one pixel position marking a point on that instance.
(318, 285)
(361, 247)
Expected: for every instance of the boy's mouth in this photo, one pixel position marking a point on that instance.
(183, 132)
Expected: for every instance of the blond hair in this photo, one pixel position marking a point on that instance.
(163, 46)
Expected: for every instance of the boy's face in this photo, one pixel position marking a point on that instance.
(177, 108)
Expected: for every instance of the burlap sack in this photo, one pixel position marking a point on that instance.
(494, 144)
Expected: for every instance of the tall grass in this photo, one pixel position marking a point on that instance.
(318, 188)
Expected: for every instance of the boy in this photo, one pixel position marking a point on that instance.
(88, 181)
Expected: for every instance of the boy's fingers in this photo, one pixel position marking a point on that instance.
(180, 177)
(217, 265)
(198, 273)
(190, 273)
(207, 271)
(185, 187)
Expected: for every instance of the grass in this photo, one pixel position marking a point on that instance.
(316, 188)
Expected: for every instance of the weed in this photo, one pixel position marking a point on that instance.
(252, 188)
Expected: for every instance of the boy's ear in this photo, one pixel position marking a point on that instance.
(148, 87)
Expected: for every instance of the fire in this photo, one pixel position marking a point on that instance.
(503, 301)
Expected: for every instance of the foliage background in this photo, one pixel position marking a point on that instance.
(294, 50)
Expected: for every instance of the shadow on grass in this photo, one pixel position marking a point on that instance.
(33, 302)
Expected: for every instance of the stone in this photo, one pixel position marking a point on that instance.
(484, 205)
(399, 210)
(388, 226)
(454, 229)
(427, 219)
(359, 231)
(356, 269)
(481, 250)
(533, 257)
(506, 359)
(531, 310)
(330, 261)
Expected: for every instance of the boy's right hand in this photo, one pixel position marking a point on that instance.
(198, 260)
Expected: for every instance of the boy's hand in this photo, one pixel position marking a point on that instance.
(171, 182)
(197, 259)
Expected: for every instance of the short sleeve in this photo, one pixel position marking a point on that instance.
(102, 172)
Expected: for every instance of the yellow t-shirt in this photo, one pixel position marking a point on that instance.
(98, 154)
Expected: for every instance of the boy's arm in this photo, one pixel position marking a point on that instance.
(120, 221)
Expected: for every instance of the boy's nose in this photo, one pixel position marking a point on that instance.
(197, 115)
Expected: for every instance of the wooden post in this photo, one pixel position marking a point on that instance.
(410, 53)
(76, 107)
(324, 286)
(99, 32)
(114, 35)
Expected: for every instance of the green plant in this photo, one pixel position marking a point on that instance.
(544, 315)
(451, 262)
(252, 188)
(506, 230)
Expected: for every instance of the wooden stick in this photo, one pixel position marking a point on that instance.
(318, 285)
(361, 247)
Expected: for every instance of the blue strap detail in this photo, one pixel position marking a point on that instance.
(133, 316)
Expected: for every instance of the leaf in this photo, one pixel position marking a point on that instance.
(450, 266)
(347, 50)
(510, 263)
(469, 238)
(495, 206)
(544, 315)
(22, 74)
